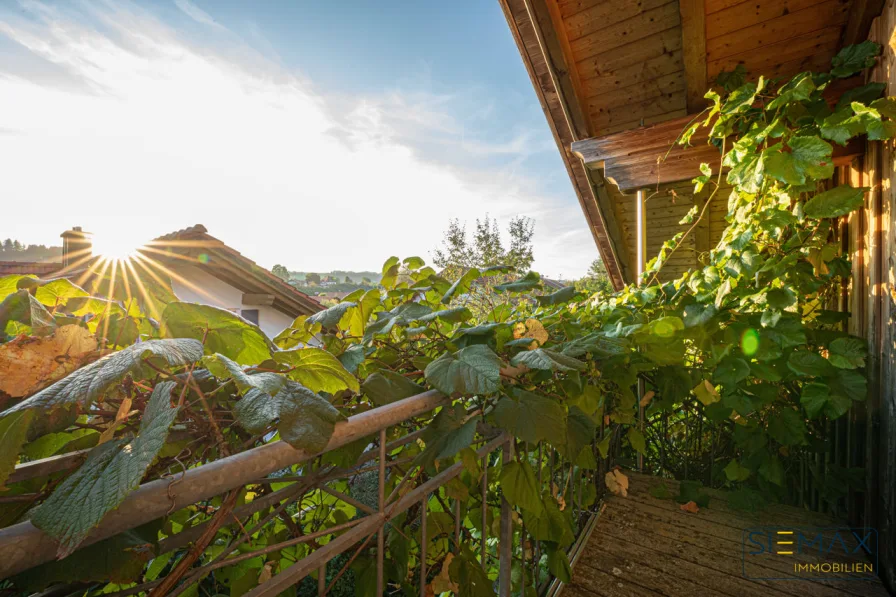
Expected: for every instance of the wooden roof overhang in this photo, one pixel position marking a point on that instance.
(620, 79)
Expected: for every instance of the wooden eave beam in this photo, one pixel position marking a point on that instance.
(647, 156)
(256, 299)
(693, 48)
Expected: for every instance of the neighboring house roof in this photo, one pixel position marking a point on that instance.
(554, 284)
(28, 267)
(230, 266)
(194, 246)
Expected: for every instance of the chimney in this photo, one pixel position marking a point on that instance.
(77, 246)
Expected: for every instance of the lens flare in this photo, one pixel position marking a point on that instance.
(115, 246)
(749, 342)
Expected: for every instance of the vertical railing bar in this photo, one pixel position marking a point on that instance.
(457, 523)
(322, 580)
(505, 541)
(484, 538)
(381, 501)
(537, 551)
(423, 541)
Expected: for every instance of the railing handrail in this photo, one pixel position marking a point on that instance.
(23, 546)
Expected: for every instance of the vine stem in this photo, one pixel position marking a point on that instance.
(694, 225)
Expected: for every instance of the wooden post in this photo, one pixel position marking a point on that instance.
(640, 234)
(381, 500)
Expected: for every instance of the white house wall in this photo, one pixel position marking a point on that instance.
(199, 286)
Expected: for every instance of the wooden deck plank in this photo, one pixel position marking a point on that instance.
(643, 545)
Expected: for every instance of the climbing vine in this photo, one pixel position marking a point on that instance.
(140, 386)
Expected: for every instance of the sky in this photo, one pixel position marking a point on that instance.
(318, 135)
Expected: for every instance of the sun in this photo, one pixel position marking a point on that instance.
(115, 246)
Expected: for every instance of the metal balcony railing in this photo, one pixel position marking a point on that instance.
(23, 546)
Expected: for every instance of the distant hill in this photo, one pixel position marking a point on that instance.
(340, 275)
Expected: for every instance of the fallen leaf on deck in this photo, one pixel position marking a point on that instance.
(691, 507)
(617, 483)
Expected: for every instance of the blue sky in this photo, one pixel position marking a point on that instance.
(321, 135)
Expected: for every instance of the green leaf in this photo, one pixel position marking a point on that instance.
(787, 427)
(531, 417)
(86, 384)
(772, 470)
(558, 563)
(855, 58)
(455, 315)
(23, 308)
(740, 99)
(836, 202)
(527, 282)
(329, 318)
(661, 491)
(306, 420)
(462, 285)
(550, 524)
(817, 400)
(806, 363)
(809, 158)
(519, 486)
(544, 358)
(636, 439)
(224, 332)
(736, 472)
(471, 579)
(851, 384)
(385, 387)
(847, 353)
(579, 433)
(472, 370)
(58, 291)
(447, 435)
(564, 295)
(402, 315)
(10, 284)
(317, 370)
(13, 433)
(352, 358)
(731, 371)
(390, 273)
(112, 471)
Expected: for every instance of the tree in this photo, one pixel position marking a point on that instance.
(596, 280)
(312, 279)
(348, 280)
(8, 245)
(366, 281)
(458, 252)
(281, 272)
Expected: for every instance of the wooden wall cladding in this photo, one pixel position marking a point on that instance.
(664, 210)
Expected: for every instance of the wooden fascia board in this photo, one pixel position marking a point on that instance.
(523, 30)
(253, 299)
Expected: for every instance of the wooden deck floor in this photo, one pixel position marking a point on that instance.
(642, 545)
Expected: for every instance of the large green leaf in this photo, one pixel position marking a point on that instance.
(564, 295)
(550, 524)
(317, 370)
(304, 419)
(527, 282)
(402, 315)
(223, 331)
(56, 292)
(544, 358)
(86, 384)
(461, 285)
(531, 417)
(447, 435)
(23, 308)
(787, 427)
(469, 576)
(13, 432)
(112, 471)
(807, 363)
(809, 158)
(330, 318)
(847, 353)
(731, 371)
(834, 203)
(558, 563)
(10, 284)
(816, 398)
(454, 315)
(855, 58)
(385, 387)
(520, 487)
(472, 370)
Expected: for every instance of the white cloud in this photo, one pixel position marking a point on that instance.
(164, 135)
(197, 14)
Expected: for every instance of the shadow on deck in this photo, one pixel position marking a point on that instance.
(642, 545)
